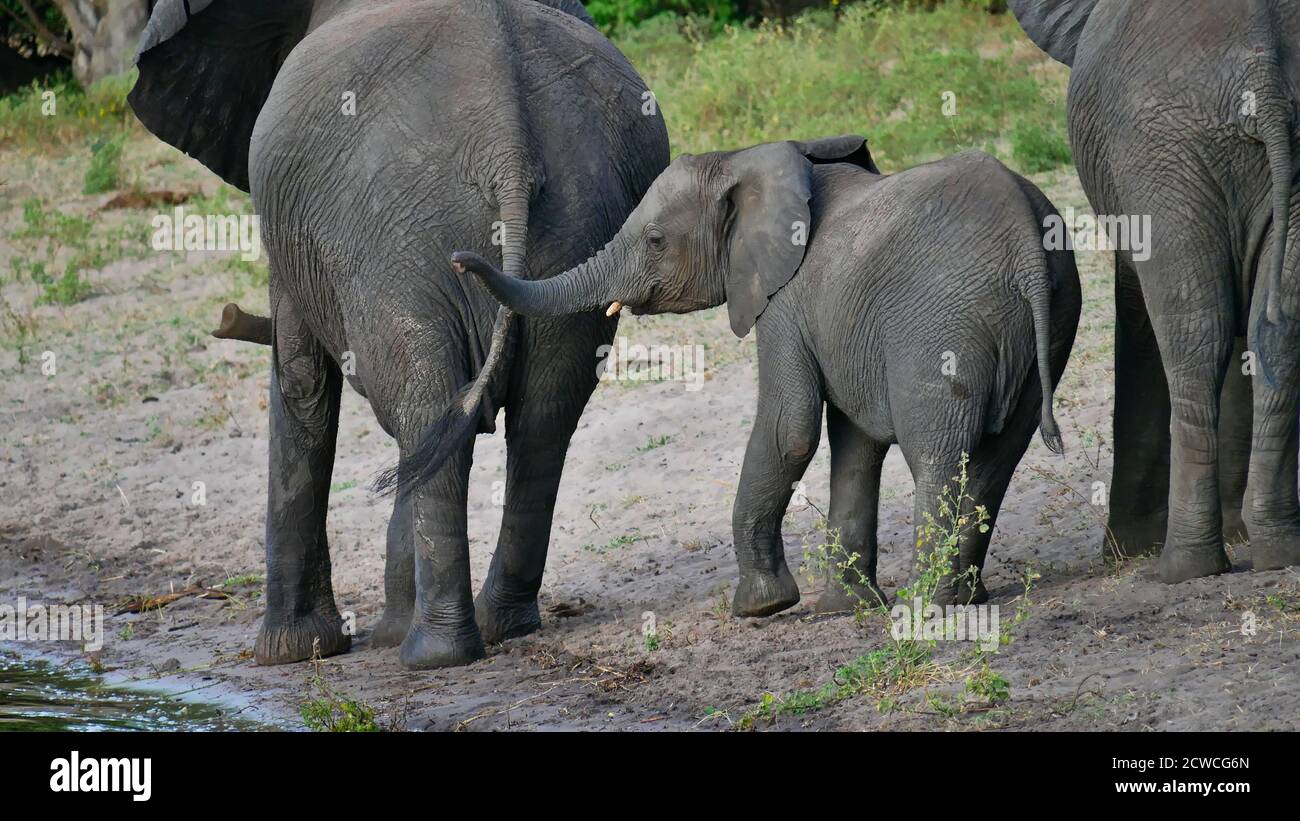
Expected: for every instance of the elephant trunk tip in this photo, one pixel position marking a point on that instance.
(462, 261)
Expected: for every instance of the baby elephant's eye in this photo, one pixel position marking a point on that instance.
(654, 235)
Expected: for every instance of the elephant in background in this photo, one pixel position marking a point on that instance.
(507, 126)
(1186, 111)
(862, 287)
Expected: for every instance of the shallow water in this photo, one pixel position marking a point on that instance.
(40, 695)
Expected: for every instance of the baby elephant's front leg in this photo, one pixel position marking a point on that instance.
(780, 448)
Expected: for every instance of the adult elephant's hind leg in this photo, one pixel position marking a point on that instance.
(856, 462)
(1139, 488)
(1235, 431)
(301, 618)
(1196, 336)
(399, 577)
(552, 378)
(1272, 511)
(443, 632)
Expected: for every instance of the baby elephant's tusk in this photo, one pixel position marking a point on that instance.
(614, 308)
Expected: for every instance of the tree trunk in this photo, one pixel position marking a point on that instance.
(105, 34)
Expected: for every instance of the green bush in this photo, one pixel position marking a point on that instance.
(881, 72)
(1040, 146)
(618, 14)
(59, 111)
(105, 171)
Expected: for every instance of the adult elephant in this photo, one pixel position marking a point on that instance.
(376, 138)
(1185, 110)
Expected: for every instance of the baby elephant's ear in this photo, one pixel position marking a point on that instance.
(850, 148)
(769, 226)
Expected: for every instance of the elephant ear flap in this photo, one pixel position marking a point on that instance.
(769, 226)
(1055, 26)
(850, 148)
(206, 68)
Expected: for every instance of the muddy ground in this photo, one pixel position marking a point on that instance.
(98, 465)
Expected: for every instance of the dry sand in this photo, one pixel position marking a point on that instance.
(98, 465)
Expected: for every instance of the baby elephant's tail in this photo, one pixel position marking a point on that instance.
(1034, 277)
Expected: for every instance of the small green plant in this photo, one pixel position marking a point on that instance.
(68, 289)
(105, 171)
(654, 443)
(906, 662)
(243, 580)
(331, 713)
(986, 686)
(127, 632)
(616, 543)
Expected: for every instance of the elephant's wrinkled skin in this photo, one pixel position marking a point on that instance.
(1186, 111)
(376, 137)
(900, 275)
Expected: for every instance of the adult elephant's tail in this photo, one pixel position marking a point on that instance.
(449, 433)
(1275, 132)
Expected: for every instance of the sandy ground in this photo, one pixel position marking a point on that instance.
(98, 465)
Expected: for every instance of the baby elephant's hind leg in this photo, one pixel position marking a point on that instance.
(856, 461)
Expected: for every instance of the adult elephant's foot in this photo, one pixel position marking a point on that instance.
(392, 627)
(1275, 549)
(1179, 562)
(762, 593)
(1234, 526)
(1130, 537)
(427, 647)
(502, 617)
(836, 598)
(286, 637)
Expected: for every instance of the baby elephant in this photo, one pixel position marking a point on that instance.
(920, 308)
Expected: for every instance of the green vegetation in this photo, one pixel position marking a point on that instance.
(61, 113)
(875, 71)
(105, 171)
(654, 443)
(616, 543)
(905, 663)
(331, 713)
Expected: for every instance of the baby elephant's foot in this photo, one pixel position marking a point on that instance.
(1180, 562)
(503, 617)
(427, 647)
(1275, 549)
(392, 627)
(762, 593)
(285, 637)
(841, 598)
(964, 590)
